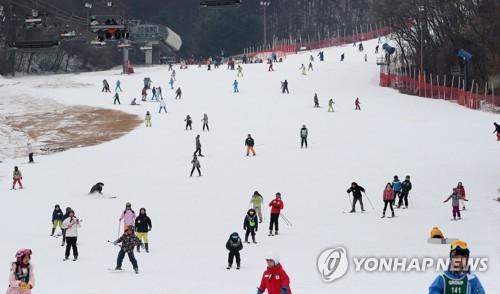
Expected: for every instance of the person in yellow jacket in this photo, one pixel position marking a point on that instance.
(148, 119)
(436, 233)
(256, 202)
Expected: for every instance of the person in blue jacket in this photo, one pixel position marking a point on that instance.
(396, 186)
(235, 86)
(57, 218)
(458, 278)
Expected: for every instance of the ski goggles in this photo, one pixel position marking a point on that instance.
(458, 244)
(23, 252)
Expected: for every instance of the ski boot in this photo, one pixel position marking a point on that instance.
(237, 266)
(136, 270)
(383, 214)
(270, 233)
(229, 266)
(147, 247)
(253, 240)
(276, 232)
(118, 268)
(53, 230)
(352, 210)
(246, 240)
(138, 247)
(393, 215)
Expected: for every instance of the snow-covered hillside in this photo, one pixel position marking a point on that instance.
(437, 143)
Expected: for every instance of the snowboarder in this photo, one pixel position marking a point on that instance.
(196, 165)
(118, 87)
(405, 190)
(458, 278)
(316, 101)
(396, 186)
(256, 202)
(198, 146)
(143, 226)
(128, 216)
(128, 240)
(356, 195)
(171, 83)
(276, 206)
(284, 87)
(330, 105)
(148, 119)
(436, 233)
(205, 122)
(57, 218)
(163, 105)
(30, 153)
(17, 176)
(342, 57)
(251, 225)
(189, 122)
(274, 278)
(455, 197)
(71, 224)
(388, 198)
(235, 86)
(303, 69)
(310, 66)
(461, 192)
(96, 188)
(178, 93)
(303, 136)
(234, 246)
(117, 99)
(240, 70)
(22, 278)
(497, 130)
(249, 142)
(357, 103)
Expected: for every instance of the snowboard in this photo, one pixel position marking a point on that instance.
(441, 241)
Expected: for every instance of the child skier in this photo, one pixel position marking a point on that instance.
(57, 219)
(188, 121)
(117, 99)
(198, 146)
(235, 86)
(303, 69)
(17, 176)
(461, 192)
(330, 105)
(128, 216)
(196, 165)
(458, 278)
(396, 186)
(388, 198)
(256, 202)
(455, 203)
(118, 87)
(144, 94)
(163, 105)
(71, 224)
(178, 93)
(303, 136)
(274, 278)
(148, 119)
(316, 101)
(22, 278)
(405, 190)
(154, 97)
(128, 240)
(97, 188)
(356, 195)
(240, 70)
(276, 206)
(310, 67)
(284, 87)
(249, 142)
(357, 103)
(171, 83)
(250, 224)
(234, 246)
(143, 226)
(205, 122)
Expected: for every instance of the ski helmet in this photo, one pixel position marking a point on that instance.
(128, 204)
(278, 195)
(68, 209)
(274, 257)
(256, 193)
(460, 248)
(21, 253)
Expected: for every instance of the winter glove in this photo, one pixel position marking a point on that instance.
(150, 228)
(69, 226)
(259, 292)
(284, 290)
(77, 222)
(24, 286)
(115, 243)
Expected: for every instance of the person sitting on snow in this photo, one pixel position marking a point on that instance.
(96, 188)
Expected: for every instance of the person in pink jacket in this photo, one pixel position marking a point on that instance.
(21, 279)
(388, 198)
(128, 216)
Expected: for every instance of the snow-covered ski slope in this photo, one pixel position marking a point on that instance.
(436, 142)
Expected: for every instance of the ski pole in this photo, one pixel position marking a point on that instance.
(119, 227)
(311, 141)
(286, 222)
(411, 202)
(286, 219)
(369, 200)
(350, 201)
(114, 244)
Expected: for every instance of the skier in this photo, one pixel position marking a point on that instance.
(154, 97)
(330, 105)
(357, 103)
(497, 130)
(270, 65)
(436, 233)
(405, 189)
(251, 225)
(96, 188)
(274, 278)
(118, 86)
(303, 69)
(455, 204)
(71, 224)
(144, 94)
(256, 202)
(310, 66)
(21, 278)
(396, 186)
(376, 49)
(240, 70)
(105, 86)
(321, 56)
(356, 195)
(163, 105)
(128, 217)
(196, 165)
(143, 226)
(117, 99)
(159, 93)
(188, 121)
(235, 86)
(458, 278)
(311, 58)
(284, 87)
(276, 207)
(205, 122)
(316, 101)
(303, 136)
(342, 57)
(178, 93)
(148, 119)
(30, 153)
(461, 192)
(198, 146)
(171, 83)
(173, 75)
(234, 246)
(57, 219)
(128, 240)
(366, 57)
(388, 198)
(17, 176)
(66, 215)
(249, 142)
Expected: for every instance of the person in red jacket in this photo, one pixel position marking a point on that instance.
(461, 193)
(274, 279)
(388, 198)
(276, 207)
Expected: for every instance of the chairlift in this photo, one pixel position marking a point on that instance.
(146, 48)
(38, 32)
(220, 3)
(109, 21)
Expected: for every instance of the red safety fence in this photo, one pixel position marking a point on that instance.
(470, 99)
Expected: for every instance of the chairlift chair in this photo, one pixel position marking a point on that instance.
(109, 20)
(38, 32)
(220, 3)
